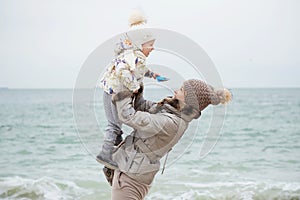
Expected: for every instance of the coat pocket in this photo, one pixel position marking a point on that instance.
(131, 161)
(141, 165)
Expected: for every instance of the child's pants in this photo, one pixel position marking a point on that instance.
(113, 128)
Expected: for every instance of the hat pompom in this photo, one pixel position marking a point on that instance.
(224, 95)
(137, 18)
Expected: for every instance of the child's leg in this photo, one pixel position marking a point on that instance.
(113, 128)
(113, 132)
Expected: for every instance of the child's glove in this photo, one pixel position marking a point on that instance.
(161, 78)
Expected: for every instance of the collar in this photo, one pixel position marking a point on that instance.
(187, 113)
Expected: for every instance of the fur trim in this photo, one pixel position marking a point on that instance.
(183, 108)
(171, 101)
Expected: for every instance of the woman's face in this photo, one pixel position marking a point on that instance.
(147, 47)
(179, 94)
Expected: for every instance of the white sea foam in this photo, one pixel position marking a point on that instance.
(43, 188)
(229, 190)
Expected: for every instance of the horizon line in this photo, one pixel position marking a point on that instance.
(46, 88)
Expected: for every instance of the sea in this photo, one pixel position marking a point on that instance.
(255, 155)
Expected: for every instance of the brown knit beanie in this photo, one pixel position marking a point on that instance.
(199, 95)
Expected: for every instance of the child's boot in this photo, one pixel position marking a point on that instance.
(105, 156)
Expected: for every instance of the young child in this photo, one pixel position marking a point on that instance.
(125, 73)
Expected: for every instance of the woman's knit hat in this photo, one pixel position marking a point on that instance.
(199, 95)
(139, 33)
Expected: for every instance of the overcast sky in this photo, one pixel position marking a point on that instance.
(252, 43)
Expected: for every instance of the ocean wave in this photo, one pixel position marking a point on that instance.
(44, 188)
(230, 190)
(6, 127)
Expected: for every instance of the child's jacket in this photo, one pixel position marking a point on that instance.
(127, 70)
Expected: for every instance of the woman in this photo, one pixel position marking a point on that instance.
(157, 128)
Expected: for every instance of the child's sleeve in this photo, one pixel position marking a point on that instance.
(149, 74)
(129, 80)
(143, 70)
